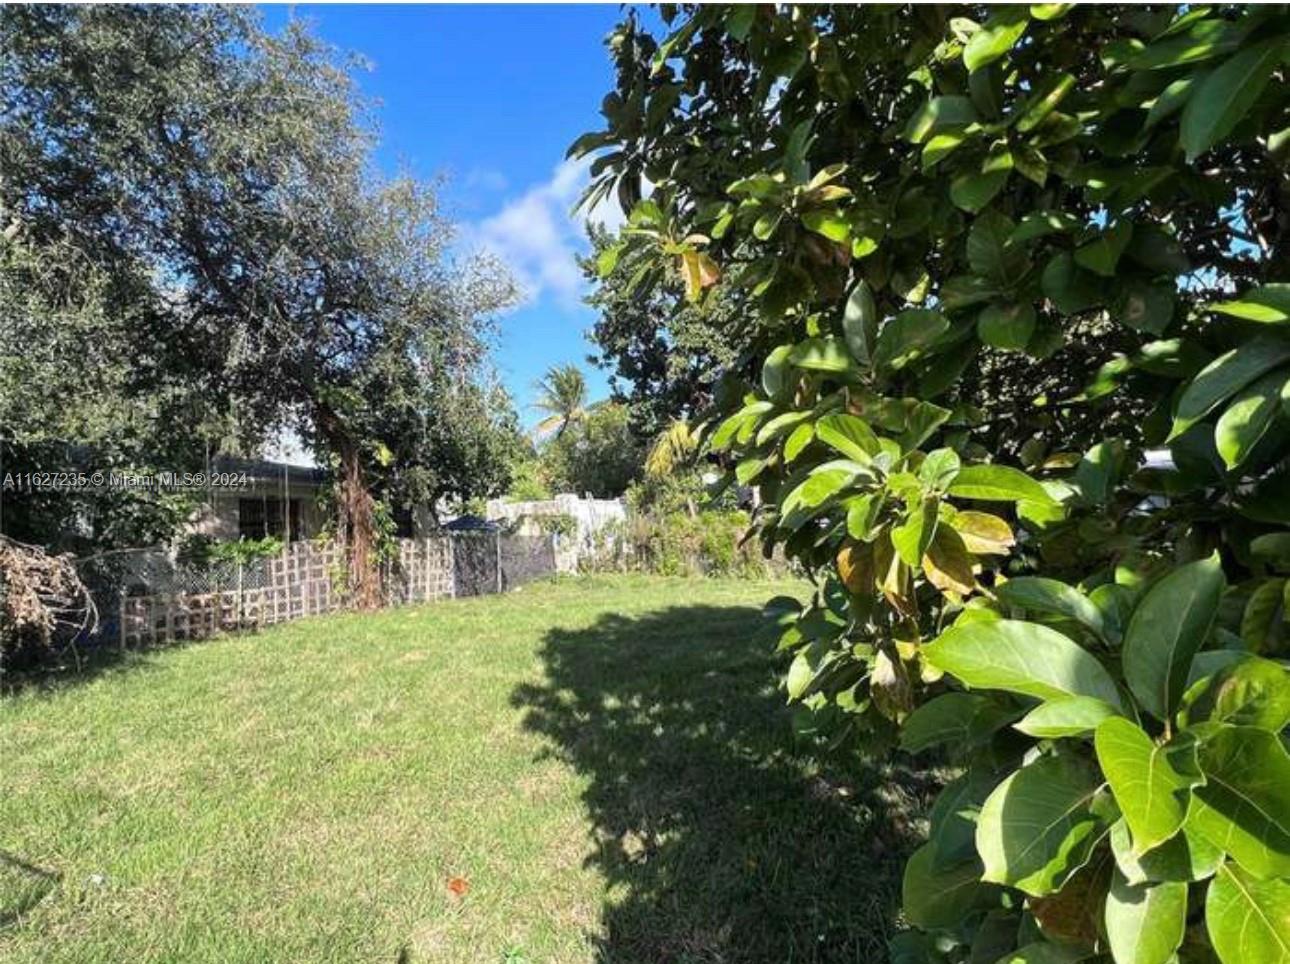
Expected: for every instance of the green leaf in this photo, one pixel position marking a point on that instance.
(1038, 594)
(963, 718)
(1152, 796)
(939, 469)
(1172, 98)
(1251, 692)
(1165, 631)
(973, 191)
(1243, 806)
(938, 114)
(1248, 920)
(862, 515)
(912, 947)
(1264, 615)
(936, 897)
(774, 372)
(848, 434)
(1246, 420)
(748, 469)
(954, 814)
(800, 437)
(940, 146)
(823, 485)
(1145, 922)
(829, 223)
(1225, 376)
(1007, 326)
(860, 322)
(1049, 11)
(1022, 658)
(1048, 94)
(1272, 548)
(1226, 95)
(1146, 307)
(1102, 254)
(912, 537)
(1039, 224)
(607, 260)
(767, 224)
(1068, 716)
(998, 483)
(990, 252)
(1207, 39)
(1067, 286)
(996, 37)
(1185, 856)
(905, 336)
(780, 425)
(799, 677)
(923, 419)
(827, 354)
(1268, 304)
(1044, 953)
(1037, 828)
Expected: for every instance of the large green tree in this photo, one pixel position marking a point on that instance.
(1020, 287)
(233, 169)
(599, 455)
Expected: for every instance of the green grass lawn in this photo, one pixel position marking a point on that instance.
(606, 763)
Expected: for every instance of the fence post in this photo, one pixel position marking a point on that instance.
(452, 566)
(497, 555)
(120, 623)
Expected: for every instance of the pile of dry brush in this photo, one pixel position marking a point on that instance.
(41, 597)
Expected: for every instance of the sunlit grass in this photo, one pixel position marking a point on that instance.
(604, 763)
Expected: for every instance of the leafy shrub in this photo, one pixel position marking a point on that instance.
(1020, 281)
(243, 551)
(557, 524)
(679, 491)
(527, 484)
(678, 544)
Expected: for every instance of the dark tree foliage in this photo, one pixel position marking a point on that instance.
(1018, 401)
(232, 170)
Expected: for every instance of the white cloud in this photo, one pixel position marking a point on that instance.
(538, 234)
(485, 179)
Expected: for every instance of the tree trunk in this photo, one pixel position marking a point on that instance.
(355, 516)
(355, 506)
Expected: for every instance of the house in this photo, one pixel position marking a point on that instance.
(264, 498)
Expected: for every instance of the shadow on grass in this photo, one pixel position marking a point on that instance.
(716, 841)
(60, 670)
(22, 887)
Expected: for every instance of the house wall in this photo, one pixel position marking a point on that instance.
(219, 516)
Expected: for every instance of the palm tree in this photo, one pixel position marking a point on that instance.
(562, 394)
(672, 450)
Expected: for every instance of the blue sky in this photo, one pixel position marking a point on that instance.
(492, 97)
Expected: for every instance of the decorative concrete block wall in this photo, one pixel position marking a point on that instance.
(307, 580)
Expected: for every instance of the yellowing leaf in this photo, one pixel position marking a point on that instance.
(983, 533)
(948, 564)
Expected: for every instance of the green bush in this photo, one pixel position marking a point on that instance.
(558, 524)
(1019, 401)
(241, 551)
(678, 544)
